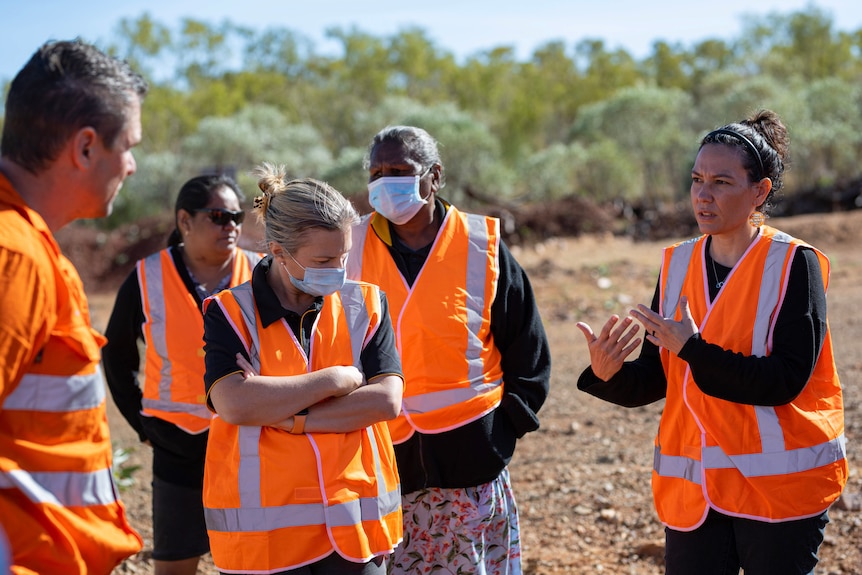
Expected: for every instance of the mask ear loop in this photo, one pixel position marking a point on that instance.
(294, 261)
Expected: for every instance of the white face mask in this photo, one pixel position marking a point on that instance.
(318, 281)
(396, 198)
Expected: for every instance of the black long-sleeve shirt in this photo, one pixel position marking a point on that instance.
(476, 452)
(121, 356)
(777, 379)
(182, 454)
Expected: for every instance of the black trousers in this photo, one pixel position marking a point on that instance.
(723, 545)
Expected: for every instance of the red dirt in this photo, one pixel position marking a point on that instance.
(583, 480)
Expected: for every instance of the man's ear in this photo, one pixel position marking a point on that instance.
(83, 146)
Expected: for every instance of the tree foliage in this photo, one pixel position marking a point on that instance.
(579, 119)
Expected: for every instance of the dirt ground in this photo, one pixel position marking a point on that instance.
(583, 480)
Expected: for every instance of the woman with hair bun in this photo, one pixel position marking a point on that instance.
(750, 451)
(302, 373)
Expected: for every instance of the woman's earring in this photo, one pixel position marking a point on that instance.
(756, 219)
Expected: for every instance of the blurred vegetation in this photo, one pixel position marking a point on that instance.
(571, 121)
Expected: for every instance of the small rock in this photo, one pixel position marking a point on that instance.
(651, 549)
(849, 502)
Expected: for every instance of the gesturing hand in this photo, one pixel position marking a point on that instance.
(610, 348)
(667, 333)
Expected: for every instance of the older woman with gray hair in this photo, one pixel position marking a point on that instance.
(475, 355)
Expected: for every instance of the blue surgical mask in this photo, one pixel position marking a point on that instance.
(318, 281)
(397, 198)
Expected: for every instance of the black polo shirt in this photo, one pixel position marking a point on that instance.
(378, 357)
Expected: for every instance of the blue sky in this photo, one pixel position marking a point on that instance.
(463, 27)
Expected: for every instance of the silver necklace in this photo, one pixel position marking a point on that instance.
(718, 282)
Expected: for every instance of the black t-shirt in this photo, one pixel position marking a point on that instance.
(179, 456)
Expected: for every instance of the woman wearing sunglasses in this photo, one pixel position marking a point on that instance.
(159, 305)
(303, 373)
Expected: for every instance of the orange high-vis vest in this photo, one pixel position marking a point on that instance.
(442, 322)
(276, 501)
(759, 462)
(173, 381)
(58, 502)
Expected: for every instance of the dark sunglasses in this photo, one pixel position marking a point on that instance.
(221, 217)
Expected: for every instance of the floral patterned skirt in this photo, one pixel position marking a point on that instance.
(470, 530)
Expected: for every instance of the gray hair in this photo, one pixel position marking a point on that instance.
(290, 208)
(416, 142)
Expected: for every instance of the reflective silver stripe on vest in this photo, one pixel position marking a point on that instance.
(249, 465)
(676, 466)
(771, 434)
(363, 509)
(753, 464)
(428, 402)
(60, 394)
(303, 514)
(780, 463)
(770, 293)
(774, 458)
(66, 488)
(151, 267)
(157, 319)
(358, 321)
(245, 299)
(477, 276)
(676, 276)
(57, 393)
(378, 468)
(354, 261)
(252, 516)
(249, 436)
(195, 409)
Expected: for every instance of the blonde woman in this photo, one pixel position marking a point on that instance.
(302, 373)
